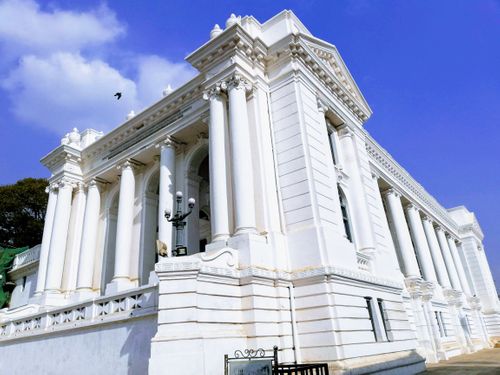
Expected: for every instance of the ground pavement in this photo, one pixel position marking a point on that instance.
(484, 362)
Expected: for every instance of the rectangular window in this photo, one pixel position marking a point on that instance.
(332, 146)
(381, 309)
(334, 143)
(440, 322)
(370, 314)
(443, 324)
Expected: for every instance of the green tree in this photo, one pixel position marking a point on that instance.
(22, 212)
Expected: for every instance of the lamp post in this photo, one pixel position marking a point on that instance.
(178, 222)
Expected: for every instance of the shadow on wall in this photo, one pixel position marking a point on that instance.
(137, 346)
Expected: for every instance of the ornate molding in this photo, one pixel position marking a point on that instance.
(391, 191)
(383, 161)
(168, 142)
(196, 266)
(299, 49)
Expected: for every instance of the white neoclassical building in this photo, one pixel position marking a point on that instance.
(306, 233)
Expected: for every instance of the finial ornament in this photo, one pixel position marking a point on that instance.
(130, 115)
(168, 90)
(74, 137)
(65, 139)
(232, 20)
(216, 31)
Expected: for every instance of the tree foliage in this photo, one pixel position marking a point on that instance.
(22, 212)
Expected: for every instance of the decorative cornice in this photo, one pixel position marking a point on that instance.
(301, 50)
(162, 114)
(327, 272)
(233, 41)
(396, 174)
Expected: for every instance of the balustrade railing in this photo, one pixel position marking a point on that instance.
(26, 257)
(133, 303)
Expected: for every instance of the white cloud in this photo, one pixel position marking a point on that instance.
(155, 73)
(55, 84)
(65, 90)
(25, 28)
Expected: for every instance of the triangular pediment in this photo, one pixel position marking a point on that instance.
(330, 57)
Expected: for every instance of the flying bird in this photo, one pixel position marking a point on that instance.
(118, 95)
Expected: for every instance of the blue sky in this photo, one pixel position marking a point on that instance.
(429, 70)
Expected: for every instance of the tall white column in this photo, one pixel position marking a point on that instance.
(407, 254)
(219, 209)
(57, 250)
(450, 266)
(89, 239)
(166, 191)
(241, 157)
(47, 233)
(420, 242)
(437, 257)
(363, 232)
(121, 279)
(458, 265)
(74, 239)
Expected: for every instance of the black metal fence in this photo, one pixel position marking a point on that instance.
(249, 356)
(305, 369)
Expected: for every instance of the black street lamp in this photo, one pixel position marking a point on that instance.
(178, 222)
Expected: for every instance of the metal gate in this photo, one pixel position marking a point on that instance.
(305, 369)
(251, 357)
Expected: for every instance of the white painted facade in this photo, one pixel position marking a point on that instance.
(306, 233)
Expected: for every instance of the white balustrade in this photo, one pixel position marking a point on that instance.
(133, 303)
(26, 257)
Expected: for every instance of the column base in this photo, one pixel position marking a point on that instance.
(253, 250)
(84, 295)
(119, 285)
(52, 298)
(216, 245)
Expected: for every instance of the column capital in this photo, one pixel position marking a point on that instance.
(52, 187)
(412, 207)
(95, 183)
(216, 91)
(428, 219)
(439, 229)
(129, 164)
(237, 82)
(79, 187)
(391, 191)
(168, 141)
(66, 183)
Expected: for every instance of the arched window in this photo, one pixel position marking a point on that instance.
(345, 215)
